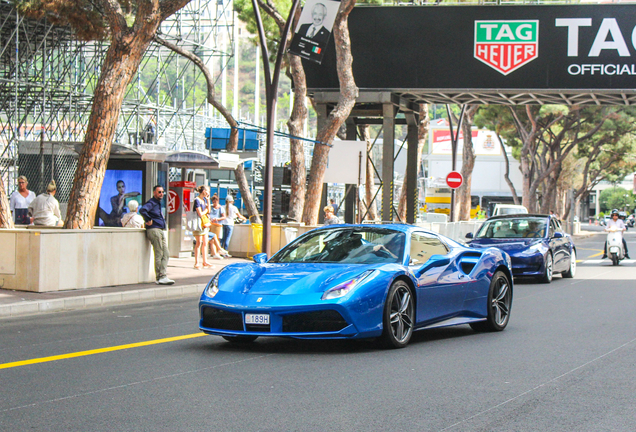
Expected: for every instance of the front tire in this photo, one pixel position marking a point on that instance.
(572, 270)
(499, 305)
(548, 269)
(399, 316)
(614, 259)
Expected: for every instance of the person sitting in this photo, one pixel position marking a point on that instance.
(45, 209)
(330, 218)
(132, 219)
(615, 224)
(504, 231)
(20, 200)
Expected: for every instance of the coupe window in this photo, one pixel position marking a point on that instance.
(345, 245)
(521, 227)
(425, 245)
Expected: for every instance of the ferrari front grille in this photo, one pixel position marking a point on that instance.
(220, 319)
(314, 322)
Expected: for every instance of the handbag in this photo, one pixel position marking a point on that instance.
(205, 221)
(193, 221)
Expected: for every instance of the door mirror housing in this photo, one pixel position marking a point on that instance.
(557, 235)
(469, 235)
(260, 258)
(433, 261)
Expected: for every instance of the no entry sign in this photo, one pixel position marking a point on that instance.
(454, 180)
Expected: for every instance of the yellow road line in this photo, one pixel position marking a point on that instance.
(596, 254)
(98, 351)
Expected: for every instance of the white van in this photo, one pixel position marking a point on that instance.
(507, 209)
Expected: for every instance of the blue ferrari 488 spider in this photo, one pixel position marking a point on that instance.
(360, 281)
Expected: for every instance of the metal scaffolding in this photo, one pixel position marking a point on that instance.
(47, 79)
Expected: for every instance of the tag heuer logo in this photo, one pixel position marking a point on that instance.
(506, 45)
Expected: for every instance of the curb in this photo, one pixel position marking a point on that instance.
(99, 300)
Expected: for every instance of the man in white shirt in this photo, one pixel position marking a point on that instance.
(20, 200)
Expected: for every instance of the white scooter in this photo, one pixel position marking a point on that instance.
(615, 250)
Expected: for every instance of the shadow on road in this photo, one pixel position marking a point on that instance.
(278, 345)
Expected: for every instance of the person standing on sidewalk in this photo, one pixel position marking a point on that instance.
(156, 233)
(231, 213)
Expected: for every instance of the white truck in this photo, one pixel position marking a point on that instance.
(506, 209)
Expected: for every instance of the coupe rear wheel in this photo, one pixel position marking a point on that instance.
(499, 305)
(399, 316)
(572, 270)
(240, 339)
(548, 269)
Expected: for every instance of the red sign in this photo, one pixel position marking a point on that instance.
(173, 201)
(454, 180)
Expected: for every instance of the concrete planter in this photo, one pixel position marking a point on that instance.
(50, 259)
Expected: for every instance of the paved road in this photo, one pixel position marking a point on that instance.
(565, 363)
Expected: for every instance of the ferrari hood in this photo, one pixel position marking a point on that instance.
(507, 245)
(287, 279)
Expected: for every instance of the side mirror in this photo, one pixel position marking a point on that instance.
(558, 235)
(469, 235)
(260, 258)
(433, 261)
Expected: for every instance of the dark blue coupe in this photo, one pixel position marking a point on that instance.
(537, 245)
(360, 281)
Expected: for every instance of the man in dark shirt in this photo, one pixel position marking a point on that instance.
(156, 233)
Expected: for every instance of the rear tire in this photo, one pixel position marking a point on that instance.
(614, 259)
(499, 305)
(240, 339)
(398, 318)
(572, 270)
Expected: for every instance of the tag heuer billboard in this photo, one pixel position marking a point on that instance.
(488, 47)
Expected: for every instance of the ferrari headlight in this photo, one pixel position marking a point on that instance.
(213, 287)
(342, 289)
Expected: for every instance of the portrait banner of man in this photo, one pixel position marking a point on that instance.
(314, 29)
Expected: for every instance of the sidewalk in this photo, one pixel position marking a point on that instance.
(189, 282)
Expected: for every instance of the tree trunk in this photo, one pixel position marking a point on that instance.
(335, 119)
(515, 198)
(127, 47)
(6, 221)
(297, 148)
(232, 145)
(369, 182)
(120, 65)
(468, 164)
(422, 137)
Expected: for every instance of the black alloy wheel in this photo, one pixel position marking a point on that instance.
(399, 316)
(499, 305)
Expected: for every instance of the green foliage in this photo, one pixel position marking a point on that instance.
(616, 198)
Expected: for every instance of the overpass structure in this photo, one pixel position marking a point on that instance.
(511, 55)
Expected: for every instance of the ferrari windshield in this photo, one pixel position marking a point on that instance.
(350, 245)
(518, 227)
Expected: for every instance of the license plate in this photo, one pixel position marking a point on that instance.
(257, 319)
